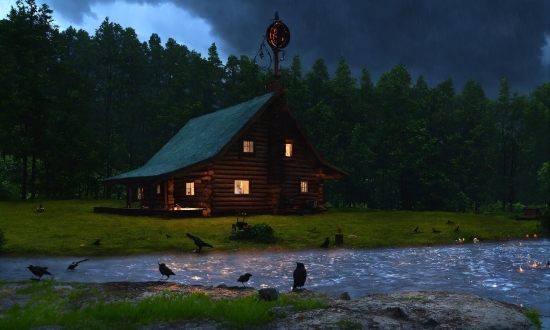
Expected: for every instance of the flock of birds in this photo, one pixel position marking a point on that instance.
(299, 274)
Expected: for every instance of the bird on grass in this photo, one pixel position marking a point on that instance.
(244, 278)
(449, 222)
(456, 229)
(299, 276)
(165, 271)
(416, 230)
(73, 265)
(97, 242)
(198, 242)
(168, 236)
(39, 271)
(435, 231)
(325, 243)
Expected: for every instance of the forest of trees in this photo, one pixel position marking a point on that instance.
(76, 108)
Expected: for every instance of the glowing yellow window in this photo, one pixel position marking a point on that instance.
(288, 150)
(158, 189)
(303, 186)
(140, 193)
(190, 188)
(248, 146)
(241, 187)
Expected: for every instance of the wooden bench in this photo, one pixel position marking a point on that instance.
(529, 214)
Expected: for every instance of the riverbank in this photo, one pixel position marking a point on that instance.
(409, 310)
(68, 228)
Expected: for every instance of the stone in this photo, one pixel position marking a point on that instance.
(222, 286)
(345, 296)
(396, 313)
(268, 294)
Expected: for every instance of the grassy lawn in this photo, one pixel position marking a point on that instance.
(69, 227)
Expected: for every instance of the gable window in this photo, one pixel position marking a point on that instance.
(303, 186)
(189, 188)
(241, 187)
(140, 193)
(248, 146)
(288, 150)
(158, 189)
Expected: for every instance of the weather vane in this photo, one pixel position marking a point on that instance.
(278, 37)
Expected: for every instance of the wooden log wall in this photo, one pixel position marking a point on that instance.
(301, 166)
(236, 165)
(203, 190)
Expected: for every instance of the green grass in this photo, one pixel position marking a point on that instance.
(50, 306)
(69, 227)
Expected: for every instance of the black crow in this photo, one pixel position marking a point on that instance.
(456, 229)
(244, 278)
(73, 265)
(198, 242)
(96, 242)
(165, 271)
(39, 271)
(416, 230)
(325, 243)
(449, 222)
(299, 276)
(436, 231)
(168, 236)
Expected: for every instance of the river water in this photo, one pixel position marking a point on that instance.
(489, 269)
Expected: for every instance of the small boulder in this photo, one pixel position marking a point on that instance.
(222, 286)
(397, 313)
(345, 296)
(268, 294)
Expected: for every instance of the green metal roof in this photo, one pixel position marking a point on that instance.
(200, 139)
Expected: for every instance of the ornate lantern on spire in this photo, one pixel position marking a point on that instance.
(277, 36)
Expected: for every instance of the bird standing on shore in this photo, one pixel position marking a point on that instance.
(165, 271)
(325, 243)
(73, 265)
(416, 230)
(39, 271)
(244, 278)
(198, 242)
(299, 276)
(97, 242)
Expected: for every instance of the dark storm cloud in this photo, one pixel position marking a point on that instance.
(482, 40)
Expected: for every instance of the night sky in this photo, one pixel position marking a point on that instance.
(483, 40)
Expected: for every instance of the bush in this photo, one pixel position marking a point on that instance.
(2, 240)
(259, 233)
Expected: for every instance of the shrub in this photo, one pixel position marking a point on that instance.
(259, 233)
(2, 240)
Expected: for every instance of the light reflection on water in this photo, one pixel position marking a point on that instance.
(487, 269)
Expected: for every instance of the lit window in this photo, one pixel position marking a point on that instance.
(190, 188)
(248, 146)
(303, 186)
(288, 150)
(140, 193)
(158, 189)
(241, 187)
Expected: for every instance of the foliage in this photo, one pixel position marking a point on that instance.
(80, 307)
(3, 240)
(259, 233)
(69, 227)
(105, 103)
(534, 315)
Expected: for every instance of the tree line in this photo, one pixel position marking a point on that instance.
(76, 108)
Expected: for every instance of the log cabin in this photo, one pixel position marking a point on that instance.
(249, 158)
